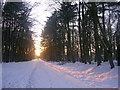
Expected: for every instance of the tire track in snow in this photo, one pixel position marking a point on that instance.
(20, 78)
(35, 73)
(30, 84)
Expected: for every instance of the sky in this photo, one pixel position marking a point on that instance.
(40, 13)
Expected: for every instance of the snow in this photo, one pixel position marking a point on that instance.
(0, 76)
(41, 74)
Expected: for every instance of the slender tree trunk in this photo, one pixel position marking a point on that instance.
(84, 36)
(105, 42)
(96, 36)
(118, 54)
(103, 20)
(69, 42)
(79, 28)
(73, 44)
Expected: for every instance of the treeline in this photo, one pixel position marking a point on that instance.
(17, 43)
(82, 32)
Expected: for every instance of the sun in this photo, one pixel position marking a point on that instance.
(38, 47)
(37, 52)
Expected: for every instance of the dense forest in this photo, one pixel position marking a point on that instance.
(17, 42)
(56, 44)
(84, 31)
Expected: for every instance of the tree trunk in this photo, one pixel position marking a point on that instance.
(80, 32)
(69, 42)
(96, 36)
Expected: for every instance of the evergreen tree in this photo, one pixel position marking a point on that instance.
(83, 32)
(16, 35)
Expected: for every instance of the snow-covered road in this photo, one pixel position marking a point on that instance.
(37, 75)
(41, 74)
(44, 76)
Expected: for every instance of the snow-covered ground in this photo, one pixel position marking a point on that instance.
(41, 74)
(0, 75)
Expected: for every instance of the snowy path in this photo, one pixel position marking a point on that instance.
(44, 77)
(41, 74)
(41, 77)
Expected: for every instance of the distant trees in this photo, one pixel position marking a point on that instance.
(17, 43)
(82, 32)
(50, 40)
(58, 32)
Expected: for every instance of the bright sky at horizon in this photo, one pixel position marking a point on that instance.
(40, 14)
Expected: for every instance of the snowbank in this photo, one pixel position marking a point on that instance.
(0, 76)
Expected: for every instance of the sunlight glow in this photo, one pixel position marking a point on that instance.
(37, 52)
(37, 14)
(38, 47)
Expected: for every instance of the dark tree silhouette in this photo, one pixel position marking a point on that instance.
(16, 35)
